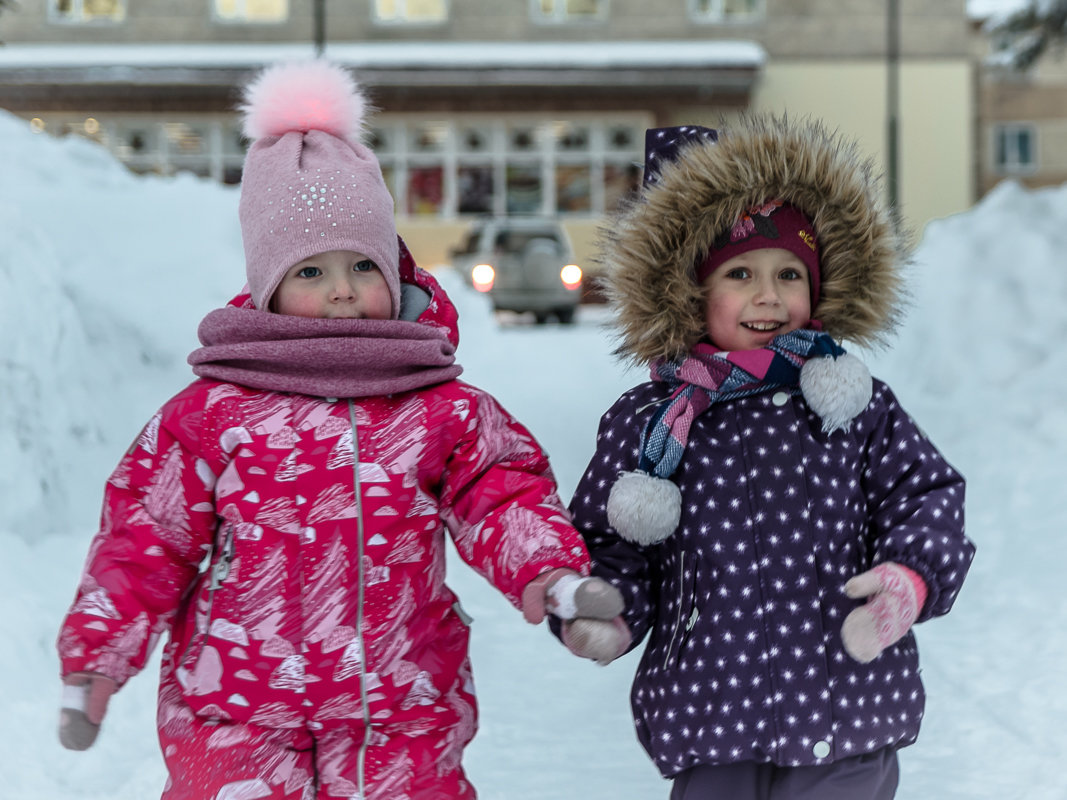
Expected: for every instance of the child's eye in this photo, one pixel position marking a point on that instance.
(366, 265)
(309, 272)
(737, 273)
(791, 274)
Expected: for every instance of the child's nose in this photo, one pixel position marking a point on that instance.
(342, 290)
(767, 292)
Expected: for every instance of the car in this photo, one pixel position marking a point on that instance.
(524, 264)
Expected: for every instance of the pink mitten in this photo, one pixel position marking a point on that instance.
(895, 597)
(602, 640)
(568, 595)
(85, 696)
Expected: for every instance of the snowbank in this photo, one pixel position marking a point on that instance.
(104, 277)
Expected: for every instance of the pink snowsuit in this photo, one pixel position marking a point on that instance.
(294, 547)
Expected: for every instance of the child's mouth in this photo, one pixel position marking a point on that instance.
(762, 327)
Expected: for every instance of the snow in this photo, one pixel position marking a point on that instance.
(982, 9)
(383, 55)
(104, 277)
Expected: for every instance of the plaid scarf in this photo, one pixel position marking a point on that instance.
(709, 375)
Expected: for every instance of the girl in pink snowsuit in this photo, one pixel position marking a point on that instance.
(283, 517)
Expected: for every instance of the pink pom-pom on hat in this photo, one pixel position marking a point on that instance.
(309, 184)
(304, 96)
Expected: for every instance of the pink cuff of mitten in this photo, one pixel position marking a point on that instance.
(895, 596)
(535, 593)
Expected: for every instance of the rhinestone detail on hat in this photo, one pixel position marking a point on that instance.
(313, 196)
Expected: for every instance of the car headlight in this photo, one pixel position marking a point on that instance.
(571, 275)
(482, 276)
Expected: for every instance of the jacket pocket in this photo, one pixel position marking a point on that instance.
(687, 612)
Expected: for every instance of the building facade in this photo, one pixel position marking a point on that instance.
(504, 106)
(1021, 130)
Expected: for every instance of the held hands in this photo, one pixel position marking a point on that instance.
(85, 697)
(568, 595)
(895, 596)
(602, 640)
(589, 607)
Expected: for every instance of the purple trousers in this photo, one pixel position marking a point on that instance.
(872, 776)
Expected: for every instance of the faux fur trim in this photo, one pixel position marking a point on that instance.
(651, 248)
(303, 96)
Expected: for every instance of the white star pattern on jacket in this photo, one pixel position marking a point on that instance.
(743, 605)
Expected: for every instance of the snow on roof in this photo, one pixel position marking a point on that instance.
(394, 55)
(983, 9)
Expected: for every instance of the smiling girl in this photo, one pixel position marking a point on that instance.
(773, 518)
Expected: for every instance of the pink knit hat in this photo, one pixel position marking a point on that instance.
(309, 184)
(771, 224)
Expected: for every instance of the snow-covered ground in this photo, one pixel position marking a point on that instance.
(104, 277)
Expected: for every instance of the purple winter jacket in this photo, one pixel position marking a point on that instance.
(743, 605)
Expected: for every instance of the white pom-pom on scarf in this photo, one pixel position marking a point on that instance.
(303, 96)
(644, 509)
(837, 389)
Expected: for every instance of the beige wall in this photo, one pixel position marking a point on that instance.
(936, 151)
(938, 141)
(936, 157)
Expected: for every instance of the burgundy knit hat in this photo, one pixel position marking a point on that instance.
(773, 224)
(309, 184)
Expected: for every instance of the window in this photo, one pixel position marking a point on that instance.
(581, 166)
(410, 11)
(425, 145)
(475, 185)
(524, 188)
(254, 11)
(622, 182)
(574, 189)
(726, 10)
(522, 164)
(425, 190)
(88, 10)
(210, 146)
(568, 10)
(1014, 148)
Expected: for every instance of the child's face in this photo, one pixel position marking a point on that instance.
(338, 284)
(753, 297)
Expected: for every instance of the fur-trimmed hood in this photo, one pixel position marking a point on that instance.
(651, 248)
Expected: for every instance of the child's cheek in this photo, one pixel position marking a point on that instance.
(296, 305)
(381, 305)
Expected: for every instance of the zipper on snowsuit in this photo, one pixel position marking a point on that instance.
(360, 583)
(220, 571)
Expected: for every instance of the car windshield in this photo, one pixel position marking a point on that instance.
(470, 243)
(515, 241)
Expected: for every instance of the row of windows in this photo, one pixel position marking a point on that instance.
(442, 168)
(403, 11)
(447, 167)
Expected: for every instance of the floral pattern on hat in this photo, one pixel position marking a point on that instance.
(757, 219)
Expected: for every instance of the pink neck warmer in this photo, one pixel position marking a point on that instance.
(321, 357)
